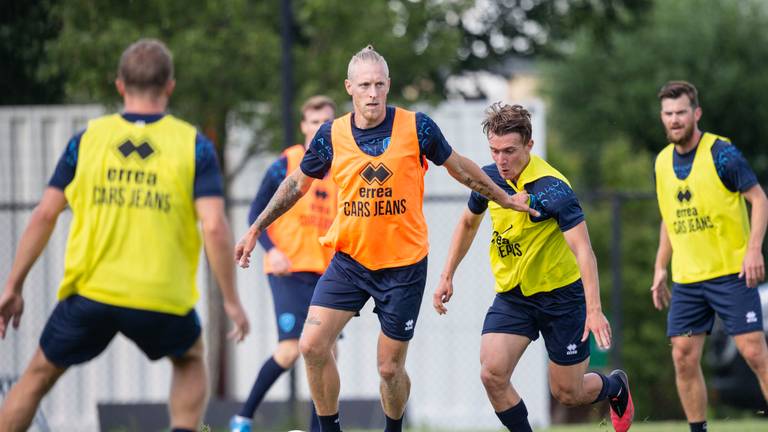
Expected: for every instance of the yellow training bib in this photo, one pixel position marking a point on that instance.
(133, 241)
(707, 224)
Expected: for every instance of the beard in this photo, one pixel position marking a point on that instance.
(684, 138)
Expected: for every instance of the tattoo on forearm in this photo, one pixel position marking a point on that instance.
(312, 320)
(285, 197)
(479, 187)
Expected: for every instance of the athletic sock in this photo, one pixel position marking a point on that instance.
(314, 422)
(330, 423)
(515, 418)
(393, 425)
(698, 426)
(181, 430)
(612, 386)
(268, 374)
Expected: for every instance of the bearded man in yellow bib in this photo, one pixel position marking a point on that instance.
(138, 183)
(546, 279)
(702, 181)
(377, 155)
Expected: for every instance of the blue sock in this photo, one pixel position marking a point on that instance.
(314, 422)
(698, 426)
(330, 423)
(515, 418)
(268, 374)
(611, 387)
(393, 425)
(181, 430)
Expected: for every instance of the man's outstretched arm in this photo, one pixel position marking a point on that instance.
(470, 175)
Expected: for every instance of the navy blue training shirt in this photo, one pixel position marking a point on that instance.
(374, 141)
(732, 168)
(208, 179)
(550, 196)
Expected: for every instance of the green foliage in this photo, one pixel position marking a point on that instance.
(607, 88)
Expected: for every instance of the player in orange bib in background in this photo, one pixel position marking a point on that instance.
(377, 155)
(294, 258)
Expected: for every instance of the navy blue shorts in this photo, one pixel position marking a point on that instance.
(559, 316)
(79, 329)
(397, 292)
(291, 296)
(693, 307)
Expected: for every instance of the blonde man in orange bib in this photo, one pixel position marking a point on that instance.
(377, 155)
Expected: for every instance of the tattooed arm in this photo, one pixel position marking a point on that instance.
(291, 190)
(470, 175)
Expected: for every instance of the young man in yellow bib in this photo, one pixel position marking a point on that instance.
(137, 183)
(377, 155)
(294, 259)
(702, 181)
(546, 280)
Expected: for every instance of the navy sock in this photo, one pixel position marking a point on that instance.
(515, 418)
(611, 387)
(698, 426)
(393, 425)
(181, 430)
(330, 423)
(268, 374)
(314, 422)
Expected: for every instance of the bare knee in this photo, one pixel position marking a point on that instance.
(686, 360)
(389, 370)
(494, 378)
(755, 356)
(287, 353)
(314, 352)
(566, 395)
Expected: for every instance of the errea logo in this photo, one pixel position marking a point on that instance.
(409, 325)
(571, 349)
(751, 317)
(379, 173)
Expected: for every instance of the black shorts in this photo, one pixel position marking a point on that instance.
(79, 329)
(559, 316)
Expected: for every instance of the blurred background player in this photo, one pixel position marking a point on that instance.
(137, 183)
(294, 258)
(717, 261)
(546, 280)
(376, 155)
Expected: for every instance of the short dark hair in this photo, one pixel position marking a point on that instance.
(146, 66)
(502, 119)
(675, 89)
(317, 102)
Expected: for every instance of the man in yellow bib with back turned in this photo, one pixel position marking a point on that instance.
(377, 155)
(137, 182)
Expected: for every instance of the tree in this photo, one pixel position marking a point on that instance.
(24, 29)
(603, 91)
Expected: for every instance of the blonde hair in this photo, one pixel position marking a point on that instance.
(369, 55)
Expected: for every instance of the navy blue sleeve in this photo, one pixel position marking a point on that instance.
(553, 198)
(318, 158)
(477, 203)
(67, 165)
(431, 140)
(732, 168)
(208, 179)
(272, 178)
